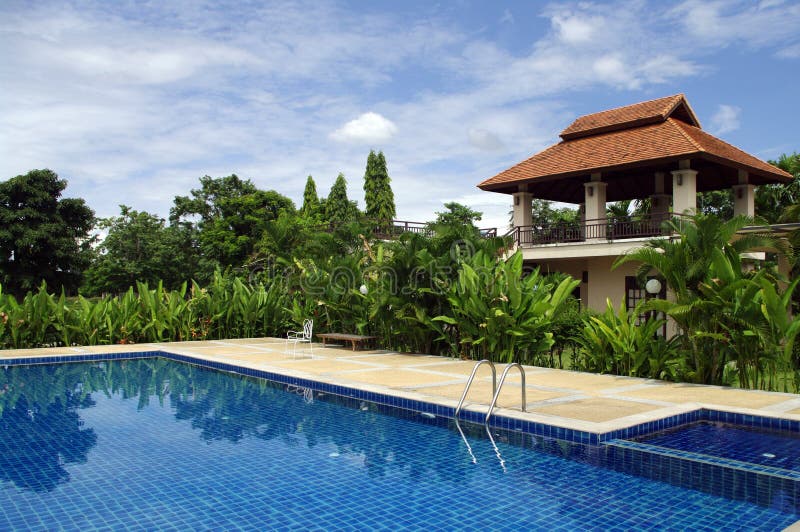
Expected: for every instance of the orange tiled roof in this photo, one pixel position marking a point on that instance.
(629, 136)
(638, 114)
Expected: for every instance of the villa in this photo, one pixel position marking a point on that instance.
(652, 150)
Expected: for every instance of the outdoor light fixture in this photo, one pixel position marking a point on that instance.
(680, 179)
(363, 289)
(653, 286)
(590, 190)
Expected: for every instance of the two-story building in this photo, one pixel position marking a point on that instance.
(652, 150)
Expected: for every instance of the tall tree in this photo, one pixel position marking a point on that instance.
(232, 213)
(378, 193)
(42, 237)
(337, 207)
(311, 205)
(140, 247)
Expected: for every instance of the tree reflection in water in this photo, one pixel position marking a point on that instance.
(42, 430)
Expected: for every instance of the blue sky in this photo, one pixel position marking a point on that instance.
(132, 102)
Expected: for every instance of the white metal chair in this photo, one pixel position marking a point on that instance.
(303, 336)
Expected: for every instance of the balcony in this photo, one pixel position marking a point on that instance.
(601, 230)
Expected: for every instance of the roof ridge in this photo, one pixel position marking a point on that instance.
(674, 101)
(727, 144)
(633, 104)
(688, 137)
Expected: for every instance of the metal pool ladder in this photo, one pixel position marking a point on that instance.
(472, 378)
(500, 387)
(495, 387)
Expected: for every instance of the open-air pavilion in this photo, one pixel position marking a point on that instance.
(654, 150)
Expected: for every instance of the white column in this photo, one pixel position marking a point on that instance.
(684, 190)
(595, 201)
(523, 202)
(744, 196)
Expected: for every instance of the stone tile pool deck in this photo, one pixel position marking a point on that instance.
(579, 401)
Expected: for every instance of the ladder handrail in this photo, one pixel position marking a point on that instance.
(500, 387)
(471, 378)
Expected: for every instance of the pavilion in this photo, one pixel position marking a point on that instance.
(654, 150)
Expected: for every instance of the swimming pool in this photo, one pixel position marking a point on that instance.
(779, 450)
(157, 444)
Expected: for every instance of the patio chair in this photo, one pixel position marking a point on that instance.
(303, 336)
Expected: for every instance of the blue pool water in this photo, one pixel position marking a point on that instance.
(154, 444)
(768, 448)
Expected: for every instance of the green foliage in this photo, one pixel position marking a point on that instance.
(543, 214)
(499, 314)
(378, 193)
(717, 304)
(716, 202)
(623, 344)
(42, 238)
(311, 205)
(139, 248)
(564, 328)
(774, 203)
(227, 308)
(232, 216)
(338, 208)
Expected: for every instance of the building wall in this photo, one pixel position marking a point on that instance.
(603, 283)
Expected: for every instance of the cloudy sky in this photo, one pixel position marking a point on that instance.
(132, 102)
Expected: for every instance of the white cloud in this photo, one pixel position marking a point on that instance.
(756, 25)
(725, 119)
(507, 18)
(612, 70)
(573, 29)
(666, 67)
(484, 140)
(790, 52)
(367, 128)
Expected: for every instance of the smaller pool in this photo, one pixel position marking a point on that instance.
(752, 445)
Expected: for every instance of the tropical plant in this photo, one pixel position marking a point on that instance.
(713, 299)
(623, 343)
(499, 314)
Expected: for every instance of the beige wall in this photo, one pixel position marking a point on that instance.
(603, 283)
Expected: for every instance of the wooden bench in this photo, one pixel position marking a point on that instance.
(354, 339)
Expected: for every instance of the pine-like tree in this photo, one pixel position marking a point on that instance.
(310, 199)
(337, 207)
(377, 189)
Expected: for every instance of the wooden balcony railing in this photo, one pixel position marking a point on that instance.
(608, 229)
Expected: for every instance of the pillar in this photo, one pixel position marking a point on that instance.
(744, 196)
(523, 202)
(595, 202)
(684, 189)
